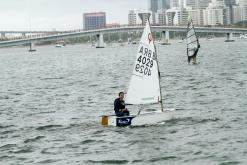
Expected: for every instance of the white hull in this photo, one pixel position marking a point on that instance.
(243, 36)
(59, 46)
(145, 118)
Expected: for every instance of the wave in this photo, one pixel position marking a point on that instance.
(33, 139)
(5, 126)
(230, 163)
(48, 161)
(26, 149)
(51, 78)
(191, 120)
(113, 161)
(88, 141)
(162, 158)
(48, 127)
(92, 141)
(7, 146)
(7, 157)
(4, 97)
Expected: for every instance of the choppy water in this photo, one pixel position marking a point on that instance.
(51, 100)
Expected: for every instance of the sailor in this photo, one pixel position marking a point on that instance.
(119, 106)
(194, 55)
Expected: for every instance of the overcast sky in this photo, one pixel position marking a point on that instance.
(62, 14)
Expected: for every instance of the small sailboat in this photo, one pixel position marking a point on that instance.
(31, 48)
(59, 46)
(243, 36)
(144, 87)
(193, 44)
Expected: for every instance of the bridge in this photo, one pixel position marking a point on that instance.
(25, 32)
(100, 32)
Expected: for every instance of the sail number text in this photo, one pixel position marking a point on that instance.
(145, 61)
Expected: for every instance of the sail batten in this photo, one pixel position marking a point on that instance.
(191, 43)
(144, 85)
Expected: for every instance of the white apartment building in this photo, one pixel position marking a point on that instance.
(213, 14)
(243, 6)
(237, 14)
(195, 14)
(177, 16)
(134, 17)
(161, 14)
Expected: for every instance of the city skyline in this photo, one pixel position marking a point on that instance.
(61, 14)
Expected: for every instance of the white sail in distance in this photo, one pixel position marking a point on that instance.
(192, 40)
(144, 86)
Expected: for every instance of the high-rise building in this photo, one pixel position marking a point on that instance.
(161, 17)
(214, 13)
(195, 15)
(163, 4)
(94, 20)
(153, 5)
(230, 2)
(132, 17)
(196, 7)
(177, 3)
(139, 17)
(174, 3)
(182, 3)
(243, 6)
(229, 10)
(193, 4)
(213, 17)
(237, 14)
(177, 16)
(144, 16)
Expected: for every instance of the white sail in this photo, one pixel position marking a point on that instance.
(192, 40)
(144, 85)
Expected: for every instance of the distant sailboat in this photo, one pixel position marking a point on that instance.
(144, 87)
(59, 46)
(193, 44)
(31, 48)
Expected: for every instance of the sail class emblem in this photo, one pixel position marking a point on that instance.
(149, 37)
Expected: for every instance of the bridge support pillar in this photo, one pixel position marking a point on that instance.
(31, 47)
(229, 37)
(100, 40)
(23, 35)
(3, 36)
(120, 37)
(165, 36)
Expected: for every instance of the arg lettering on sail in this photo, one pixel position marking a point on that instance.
(145, 58)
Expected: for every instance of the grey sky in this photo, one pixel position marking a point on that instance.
(61, 14)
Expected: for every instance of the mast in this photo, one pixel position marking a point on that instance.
(161, 102)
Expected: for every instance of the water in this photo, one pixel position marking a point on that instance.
(51, 100)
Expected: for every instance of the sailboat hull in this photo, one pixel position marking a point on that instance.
(151, 118)
(31, 50)
(147, 118)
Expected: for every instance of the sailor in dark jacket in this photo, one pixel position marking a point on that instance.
(119, 106)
